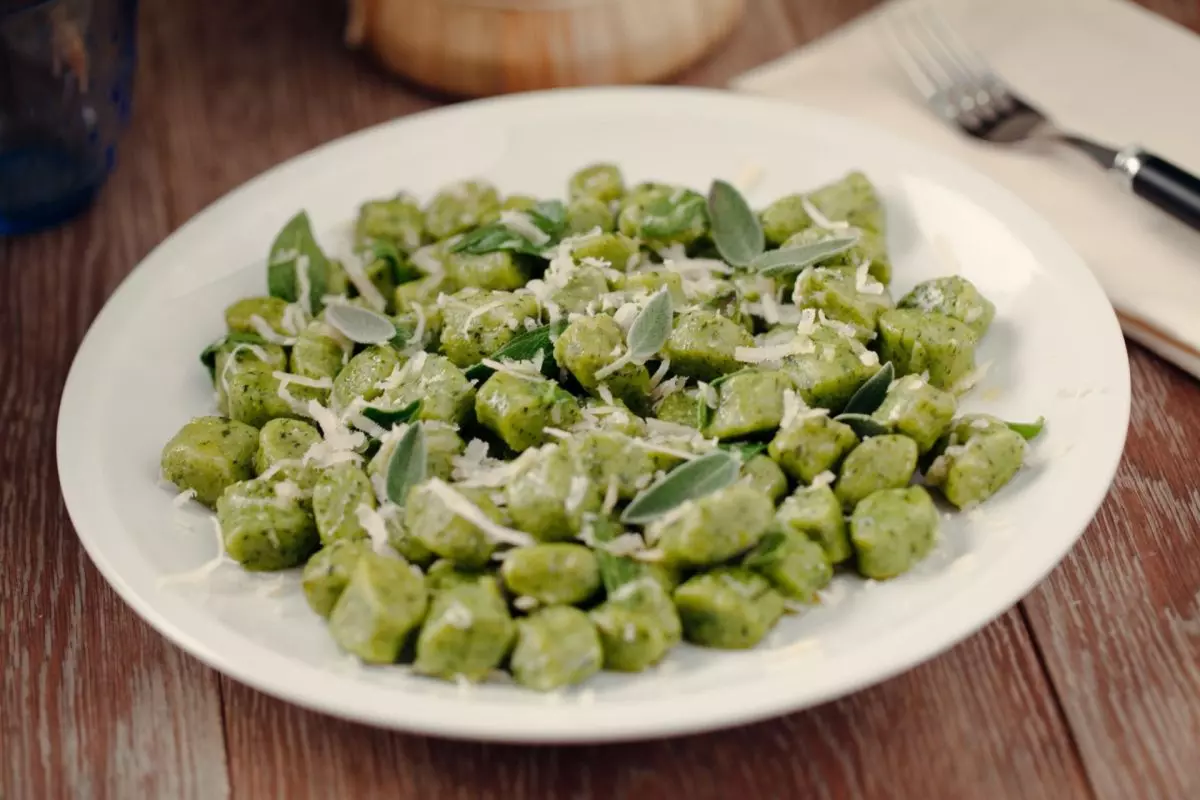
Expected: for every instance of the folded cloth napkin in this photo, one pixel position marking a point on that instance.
(1105, 68)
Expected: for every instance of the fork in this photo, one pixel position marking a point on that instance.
(960, 87)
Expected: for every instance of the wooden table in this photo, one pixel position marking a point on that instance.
(1089, 687)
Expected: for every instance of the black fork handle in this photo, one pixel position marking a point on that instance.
(1154, 179)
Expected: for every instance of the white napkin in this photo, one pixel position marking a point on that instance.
(1105, 68)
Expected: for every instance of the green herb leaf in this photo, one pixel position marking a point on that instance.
(736, 231)
(651, 328)
(870, 395)
(551, 218)
(359, 324)
(704, 413)
(744, 450)
(406, 468)
(1029, 430)
(793, 260)
(689, 481)
(294, 247)
(616, 571)
(208, 356)
(863, 425)
(402, 268)
(523, 348)
(766, 552)
(388, 418)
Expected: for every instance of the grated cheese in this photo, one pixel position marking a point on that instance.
(465, 509)
(263, 329)
(521, 224)
(183, 497)
(368, 290)
(823, 478)
(820, 220)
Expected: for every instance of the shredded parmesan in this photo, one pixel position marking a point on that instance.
(820, 220)
(521, 224)
(464, 508)
(264, 329)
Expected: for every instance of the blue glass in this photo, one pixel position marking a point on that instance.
(66, 78)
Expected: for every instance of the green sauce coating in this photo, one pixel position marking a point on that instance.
(638, 624)
(477, 323)
(794, 564)
(750, 402)
(892, 530)
(702, 345)
(550, 497)
(444, 532)
(763, 475)
(880, 462)
(810, 444)
(919, 411)
(209, 454)
(556, 647)
(337, 495)
(328, 572)
(379, 608)
(265, 530)
(815, 512)
(714, 528)
(730, 607)
(978, 456)
(589, 344)
(467, 634)
(518, 409)
(955, 297)
(460, 207)
(916, 341)
(552, 574)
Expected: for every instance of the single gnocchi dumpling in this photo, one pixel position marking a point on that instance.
(749, 402)
(730, 607)
(979, 456)
(209, 454)
(467, 633)
(714, 528)
(703, 345)
(918, 342)
(557, 646)
(264, 527)
(892, 530)
(518, 409)
(381, 605)
(815, 512)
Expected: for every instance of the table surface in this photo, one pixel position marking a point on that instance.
(1089, 687)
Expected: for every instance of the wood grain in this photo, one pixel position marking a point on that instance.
(1091, 688)
(905, 738)
(1119, 621)
(93, 703)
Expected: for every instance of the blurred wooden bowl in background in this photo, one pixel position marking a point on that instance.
(487, 47)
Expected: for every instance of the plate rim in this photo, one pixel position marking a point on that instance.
(457, 726)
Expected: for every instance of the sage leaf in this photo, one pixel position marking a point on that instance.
(523, 348)
(863, 425)
(1029, 430)
(793, 260)
(208, 356)
(736, 231)
(406, 468)
(401, 267)
(550, 216)
(359, 324)
(689, 481)
(295, 249)
(390, 417)
(651, 328)
(766, 552)
(744, 450)
(616, 571)
(870, 395)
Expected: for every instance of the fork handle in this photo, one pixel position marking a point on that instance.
(1162, 183)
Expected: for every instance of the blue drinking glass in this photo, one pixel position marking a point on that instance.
(66, 75)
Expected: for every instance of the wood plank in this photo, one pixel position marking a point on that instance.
(765, 33)
(977, 722)
(93, 702)
(1119, 622)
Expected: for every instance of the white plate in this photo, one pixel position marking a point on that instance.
(1056, 348)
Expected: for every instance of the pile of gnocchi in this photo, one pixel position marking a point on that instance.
(546, 438)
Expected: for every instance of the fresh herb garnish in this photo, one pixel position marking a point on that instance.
(406, 468)
(870, 395)
(736, 231)
(208, 356)
(360, 325)
(525, 347)
(863, 425)
(793, 260)
(295, 248)
(388, 418)
(689, 481)
(1029, 430)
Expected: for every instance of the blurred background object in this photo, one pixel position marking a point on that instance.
(485, 47)
(66, 73)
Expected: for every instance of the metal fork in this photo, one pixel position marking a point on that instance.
(960, 87)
